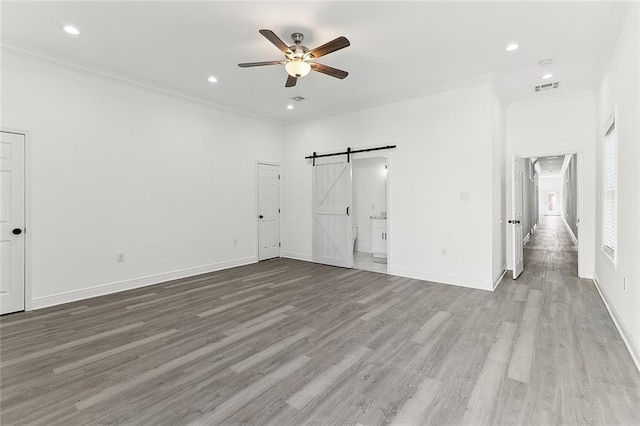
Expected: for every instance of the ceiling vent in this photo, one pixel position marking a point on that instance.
(546, 86)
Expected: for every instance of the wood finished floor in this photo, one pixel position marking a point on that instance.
(285, 342)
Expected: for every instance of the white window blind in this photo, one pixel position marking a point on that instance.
(609, 192)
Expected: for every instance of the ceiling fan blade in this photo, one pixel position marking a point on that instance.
(337, 44)
(291, 81)
(277, 42)
(260, 64)
(325, 69)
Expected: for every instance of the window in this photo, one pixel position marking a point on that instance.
(609, 182)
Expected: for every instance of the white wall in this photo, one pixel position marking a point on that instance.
(550, 184)
(498, 189)
(369, 197)
(620, 89)
(114, 168)
(444, 149)
(553, 127)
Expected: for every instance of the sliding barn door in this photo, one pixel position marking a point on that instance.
(332, 244)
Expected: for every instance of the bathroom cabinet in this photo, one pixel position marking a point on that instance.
(379, 238)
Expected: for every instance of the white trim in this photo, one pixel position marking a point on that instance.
(526, 238)
(498, 278)
(115, 287)
(565, 164)
(608, 258)
(141, 84)
(610, 39)
(573, 237)
(610, 123)
(297, 256)
(486, 285)
(634, 351)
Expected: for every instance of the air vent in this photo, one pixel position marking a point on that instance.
(546, 86)
(298, 98)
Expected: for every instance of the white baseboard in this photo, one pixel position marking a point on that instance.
(498, 278)
(443, 279)
(575, 240)
(297, 256)
(526, 238)
(622, 329)
(109, 288)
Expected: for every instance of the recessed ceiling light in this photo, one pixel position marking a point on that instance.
(512, 47)
(212, 79)
(290, 106)
(547, 76)
(71, 30)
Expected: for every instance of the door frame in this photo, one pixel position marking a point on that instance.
(257, 211)
(579, 154)
(388, 155)
(28, 293)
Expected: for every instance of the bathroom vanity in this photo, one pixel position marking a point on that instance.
(379, 238)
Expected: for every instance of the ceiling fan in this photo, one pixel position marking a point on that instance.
(298, 59)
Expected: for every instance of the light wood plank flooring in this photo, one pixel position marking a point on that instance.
(284, 342)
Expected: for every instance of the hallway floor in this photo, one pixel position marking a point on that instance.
(285, 342)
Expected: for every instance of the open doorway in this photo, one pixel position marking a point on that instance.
(369, 220)
(550, 206)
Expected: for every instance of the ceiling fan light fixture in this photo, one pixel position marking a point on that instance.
(297, 68)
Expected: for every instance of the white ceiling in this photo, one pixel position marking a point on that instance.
(551, 166)
(397, 48)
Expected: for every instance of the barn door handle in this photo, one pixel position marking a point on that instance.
(17, 231)
(347, 210)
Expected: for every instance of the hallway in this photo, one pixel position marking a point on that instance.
(581, 369)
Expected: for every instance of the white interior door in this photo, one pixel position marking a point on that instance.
(268, 211)
(516, 218)
(332, 243)
(12, 218)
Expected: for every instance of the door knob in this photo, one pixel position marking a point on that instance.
(261, 216)
(17, 231)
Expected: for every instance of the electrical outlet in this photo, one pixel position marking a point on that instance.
(444, 251)
(235, 241)
(120, 257)
(624, 280)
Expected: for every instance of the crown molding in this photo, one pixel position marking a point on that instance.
(552, 98)
(411, 94)
(620, 11)
(121, 78)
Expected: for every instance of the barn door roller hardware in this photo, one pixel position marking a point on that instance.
(348, 153)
